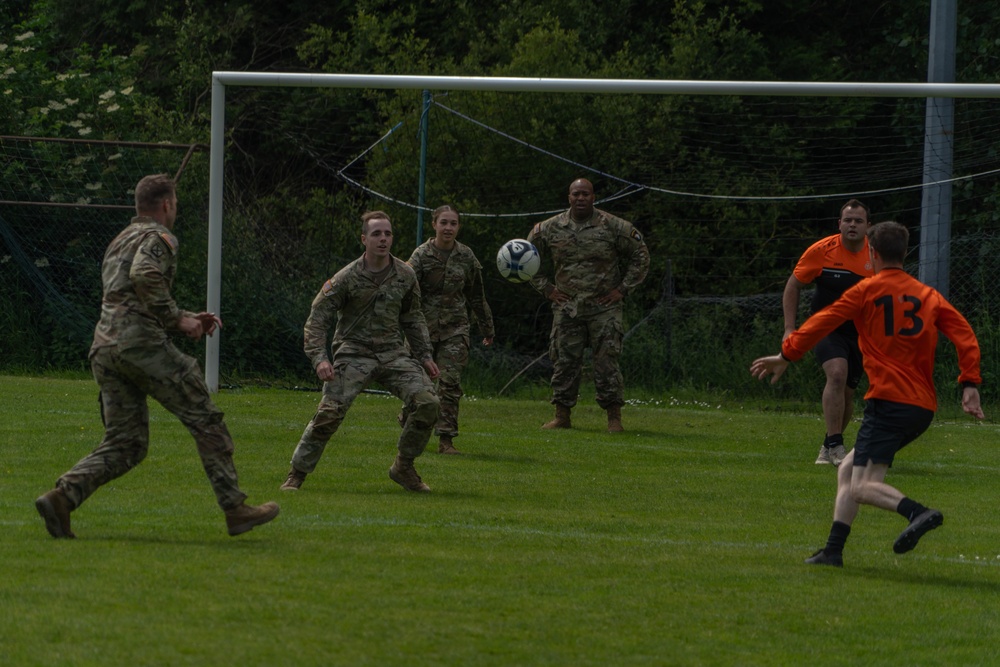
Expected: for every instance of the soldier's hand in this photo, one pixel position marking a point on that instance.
(190, 327)
(432, 369)
(488, 341)
(558, 297)
(324, 371)
(611, 298)
(209, 322)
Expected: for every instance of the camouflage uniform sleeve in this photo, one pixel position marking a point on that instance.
(632, 248)
(151, 271)
(411, 319)
(475, 296)
(415, 262)
(541, 281)
(322, 317)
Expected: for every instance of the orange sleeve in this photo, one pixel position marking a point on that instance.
(810, 264)
(813, 330)
(958, 330)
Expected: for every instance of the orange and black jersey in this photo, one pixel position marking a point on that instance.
(834, 269)
(898, 319)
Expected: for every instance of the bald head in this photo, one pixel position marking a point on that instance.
(581, 199)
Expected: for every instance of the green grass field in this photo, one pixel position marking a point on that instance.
(679, 542)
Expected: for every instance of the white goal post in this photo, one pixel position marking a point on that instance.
(931, 91)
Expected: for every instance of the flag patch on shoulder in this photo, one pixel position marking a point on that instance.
(170, 240)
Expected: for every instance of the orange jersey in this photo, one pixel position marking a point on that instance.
(834, 269)
(898, 319)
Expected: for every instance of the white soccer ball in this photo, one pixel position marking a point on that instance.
(518, 261)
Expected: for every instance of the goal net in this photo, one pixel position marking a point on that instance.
(729, 182)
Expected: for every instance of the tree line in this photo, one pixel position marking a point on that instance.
(140, 70)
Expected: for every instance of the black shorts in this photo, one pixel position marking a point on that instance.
(841, 346)
(887, 427)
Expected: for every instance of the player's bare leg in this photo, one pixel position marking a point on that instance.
(838, 407)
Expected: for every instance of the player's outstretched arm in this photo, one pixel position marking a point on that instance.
(774, 366)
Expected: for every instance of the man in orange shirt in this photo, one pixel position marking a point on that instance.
(898, 320)
(834, 264)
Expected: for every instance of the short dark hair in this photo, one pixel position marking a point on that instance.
(890, 240)
(151, 190)
(855, 203)
(372, 215)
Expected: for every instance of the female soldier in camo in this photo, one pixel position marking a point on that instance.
(451, 287)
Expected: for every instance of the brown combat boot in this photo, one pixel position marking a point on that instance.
(242, 519)
(615, 419)
(294, 481)
(54, 509)
(403, 473)
(561, 420)
(445, 446)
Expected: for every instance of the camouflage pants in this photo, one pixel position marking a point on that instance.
(126, 377)
(404, 377)
(451, 356)
(570, 337)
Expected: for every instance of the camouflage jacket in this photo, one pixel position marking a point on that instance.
(589, 259)
(371, 318)
(451, 285)
(137, 274)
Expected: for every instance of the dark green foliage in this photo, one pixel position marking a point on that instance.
(294, 157)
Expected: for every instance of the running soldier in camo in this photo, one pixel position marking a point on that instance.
(375, 301)
(598, 259)
(451, 285)
(132, 357)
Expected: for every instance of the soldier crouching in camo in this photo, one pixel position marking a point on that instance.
(376, 302)
(597, 259)
(132, 357)
(451, 287)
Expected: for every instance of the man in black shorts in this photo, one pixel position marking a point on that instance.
(834, 264)
(900, 320)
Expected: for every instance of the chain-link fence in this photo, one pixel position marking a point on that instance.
(62, 203)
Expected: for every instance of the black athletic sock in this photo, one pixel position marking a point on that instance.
(838, 538)
(834, 440)
(909, 509)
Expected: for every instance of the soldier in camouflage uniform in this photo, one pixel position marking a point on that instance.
(375, 301)
(132, 357)
(598, 259)
(451, 285)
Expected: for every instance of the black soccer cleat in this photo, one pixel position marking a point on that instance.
(821, 557)
(924, 522)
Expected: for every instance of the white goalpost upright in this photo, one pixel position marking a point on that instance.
(220, 80)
